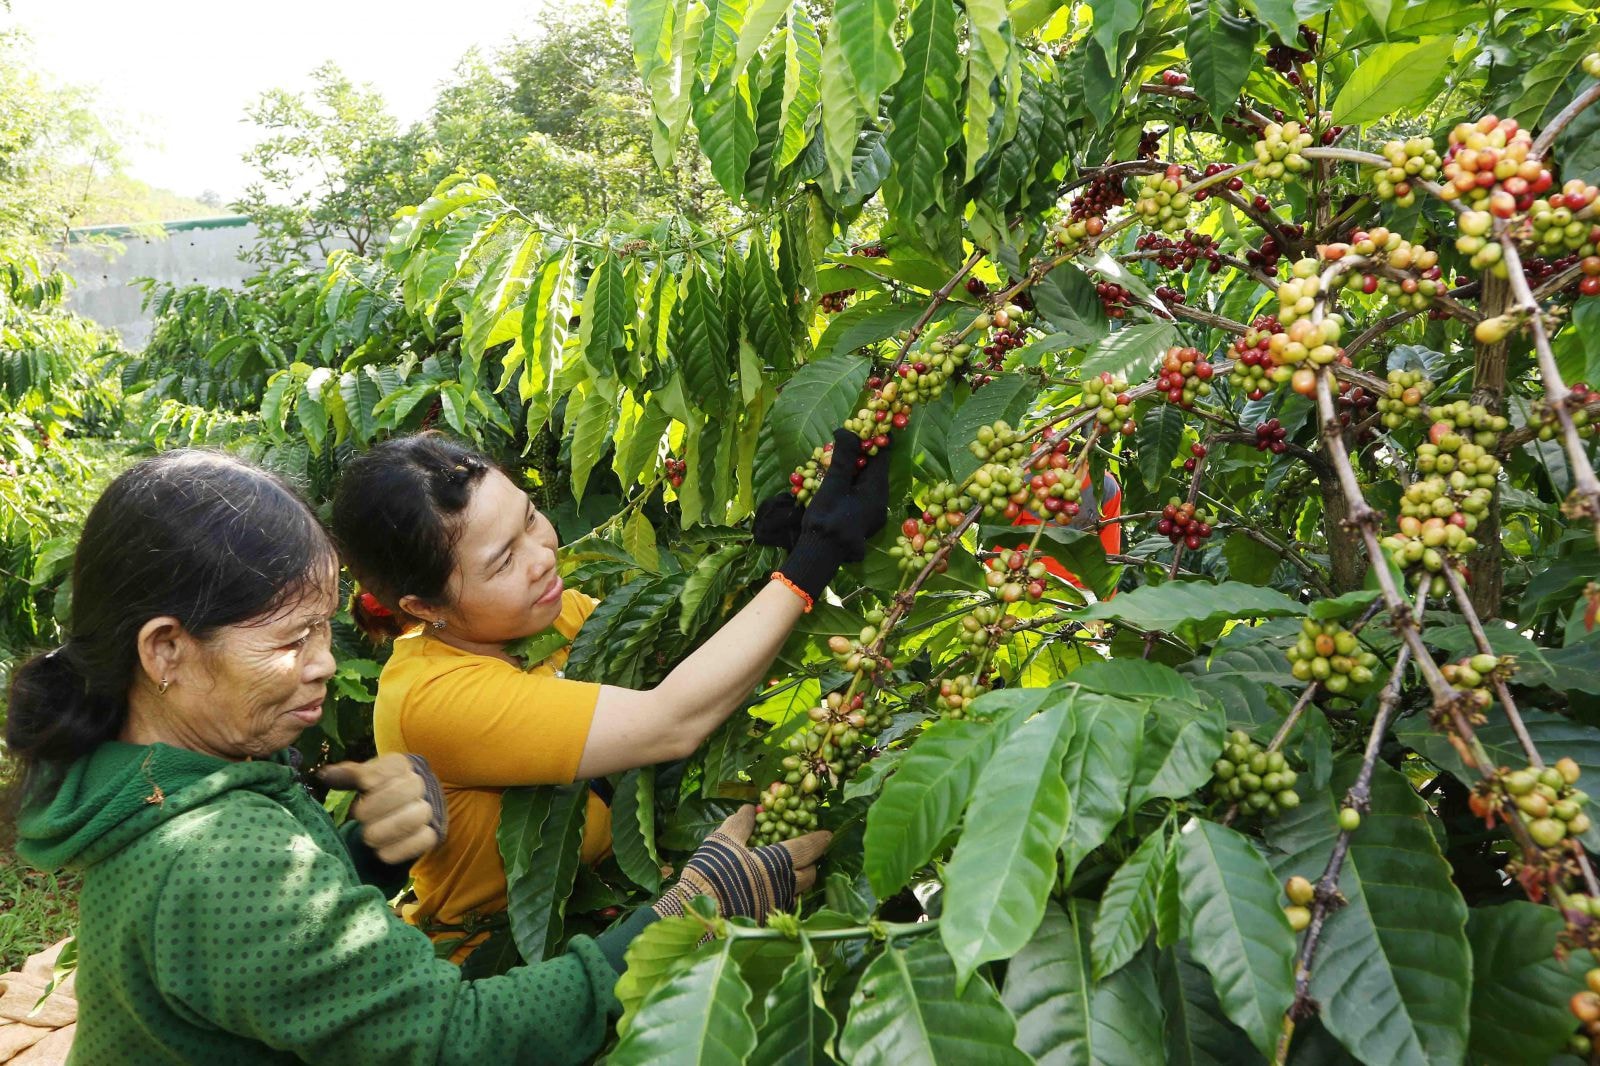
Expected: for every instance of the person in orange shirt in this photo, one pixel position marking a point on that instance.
(457, 564)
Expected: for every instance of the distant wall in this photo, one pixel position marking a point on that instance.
(205, 251)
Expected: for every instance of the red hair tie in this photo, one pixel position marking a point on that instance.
(370, 604)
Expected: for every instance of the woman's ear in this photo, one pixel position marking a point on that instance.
(165, 646)
(419, 608)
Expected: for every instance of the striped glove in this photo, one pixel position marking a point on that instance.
(746, 882)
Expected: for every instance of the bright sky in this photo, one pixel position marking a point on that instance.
(180, 72)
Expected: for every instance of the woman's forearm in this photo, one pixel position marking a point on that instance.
(633, 728)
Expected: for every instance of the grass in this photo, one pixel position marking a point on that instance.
(36, 910)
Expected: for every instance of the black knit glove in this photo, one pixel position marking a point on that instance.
(777, 521)
(848, 509)
(746, 882)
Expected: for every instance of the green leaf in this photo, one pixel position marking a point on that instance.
(1179, 606)
(1098, 768)
(1220, 47)
(539, 881)
(1393, 969)
(1160, 434)
(724, 25)
(696, 1015)
(1281, 16)
(820, 396)
(1181, 741)
(1067, 298)
(359, 390)
(1233, 920)
(802, 84)
(866, 29)
(923, 801)
(633, 828)
(923, 113)
(637, 444)
(1197, 1033)
(1000, 875)
(907, 1012)
(1394, 79)
(1135, 679)
(639, 541)
(1006, 397)
(700, 342)
(1128, 907)
(796, 1028)
(661, 949)
(712, 579)
(988, 52)
(591, 432)
(1540, 84)
(1249, 560)
(1131, 352)
(1520, 988)
(726, 118)
(608, 309)
(1064, 1018)
(842, 113)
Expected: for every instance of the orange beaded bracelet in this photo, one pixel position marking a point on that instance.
(796, 589)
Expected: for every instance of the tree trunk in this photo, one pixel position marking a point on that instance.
(1347, 557)
(1486, 570)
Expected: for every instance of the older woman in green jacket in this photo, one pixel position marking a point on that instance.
(223, 918)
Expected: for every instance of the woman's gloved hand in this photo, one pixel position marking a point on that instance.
(847, 510)
(400, 805)
(746, 882)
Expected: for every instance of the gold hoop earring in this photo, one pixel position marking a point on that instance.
(161, 689)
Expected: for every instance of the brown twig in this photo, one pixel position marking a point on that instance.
(1542, 143)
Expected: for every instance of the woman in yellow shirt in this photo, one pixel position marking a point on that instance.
(457, 563)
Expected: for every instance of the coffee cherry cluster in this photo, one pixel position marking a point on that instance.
(1585, 1005)
(870, 251)
(855, 656)
(819, 756)
(955, 693)
(918, 541)
(1173, 77)
(1053, 487)
(1566, 222)
(1355, 403)
(1591, 64)
(676, 469)
(1298, 296)
(1402, 402)
(1233, 184)
(834, 302)
(1182, 523)
(1259, 781)
(1185, 374)
(1278, 152)
(1071, 233)
(923, 378)
(1386, 246)
(1162, 204)
(1330, 653)
(1110, 395)
(1267, 256)
(1589, 283)
(1488, 167)
(1472, 676)
(1410, 160)
(1548, 801)
(1013, 574)
(1010, 330)
(1284, 59)
(1550, 426)
(1098, 198)
(1184, 254)
(1114, 298)
(980, 623)
(886, 411)
(1257, 366)
(804, 481)
(1271, 436)
(1300, 893)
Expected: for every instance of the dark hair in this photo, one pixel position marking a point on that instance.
(395, 519)
(204, 537)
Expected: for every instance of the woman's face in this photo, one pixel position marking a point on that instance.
(505, 584)
(254, 687)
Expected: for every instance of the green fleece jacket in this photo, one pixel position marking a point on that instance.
(223, 920)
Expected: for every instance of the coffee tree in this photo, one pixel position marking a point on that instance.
(1295, 772)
